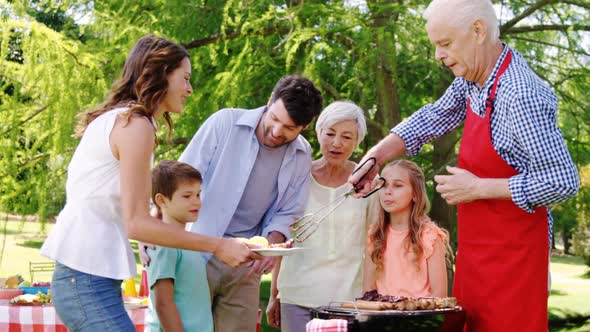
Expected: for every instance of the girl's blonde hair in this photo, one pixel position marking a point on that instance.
(418, 218)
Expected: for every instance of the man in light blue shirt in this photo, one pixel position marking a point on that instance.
(255, 167)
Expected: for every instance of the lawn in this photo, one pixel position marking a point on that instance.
(569, 302)
(570, 294)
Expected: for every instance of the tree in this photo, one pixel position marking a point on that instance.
(375, 53)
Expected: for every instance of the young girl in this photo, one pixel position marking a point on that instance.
(406, 250)
(108, 190)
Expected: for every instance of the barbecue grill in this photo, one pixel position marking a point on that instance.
(437, 320)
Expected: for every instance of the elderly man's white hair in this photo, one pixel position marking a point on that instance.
(339, 111)
(466, 12)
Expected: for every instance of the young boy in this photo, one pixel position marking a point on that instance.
(179, 292)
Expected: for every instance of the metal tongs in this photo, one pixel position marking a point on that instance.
(309, 223)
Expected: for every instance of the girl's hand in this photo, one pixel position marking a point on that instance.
(234, 252)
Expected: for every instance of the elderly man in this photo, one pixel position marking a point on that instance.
(513, 163)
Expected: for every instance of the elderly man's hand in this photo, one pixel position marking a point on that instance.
(366, 184)
(461, 186)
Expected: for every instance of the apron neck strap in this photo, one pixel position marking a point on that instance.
(503, 66)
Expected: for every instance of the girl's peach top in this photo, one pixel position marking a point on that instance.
(401, 276)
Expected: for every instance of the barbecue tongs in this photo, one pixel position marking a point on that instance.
(305, 226)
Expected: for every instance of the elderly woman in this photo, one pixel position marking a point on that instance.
(331, 267)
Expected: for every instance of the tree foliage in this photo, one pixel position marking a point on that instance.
(60, 57)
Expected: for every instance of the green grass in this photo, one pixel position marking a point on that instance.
(569, 302)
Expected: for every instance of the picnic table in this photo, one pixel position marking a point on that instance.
(24, 318)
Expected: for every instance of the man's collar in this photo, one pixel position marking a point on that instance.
(251, 118)
(491, 78)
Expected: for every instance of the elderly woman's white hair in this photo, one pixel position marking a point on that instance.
(465, 12)
(339, 111)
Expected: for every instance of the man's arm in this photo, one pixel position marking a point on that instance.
(425, 125)
(550, 176)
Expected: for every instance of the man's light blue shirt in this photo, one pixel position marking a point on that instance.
(224, 150)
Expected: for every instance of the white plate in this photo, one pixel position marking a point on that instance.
(277, 251)
(132, 306)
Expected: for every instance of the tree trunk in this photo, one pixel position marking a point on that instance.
(385, 68)
(566, 237)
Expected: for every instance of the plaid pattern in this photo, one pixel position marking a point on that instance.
(327, 325)
(524, 132)
(15, 318)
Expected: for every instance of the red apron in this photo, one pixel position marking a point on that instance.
(501, 271)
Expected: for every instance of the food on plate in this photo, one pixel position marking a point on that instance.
(259, 240)
(262, 243)
(41, 284)
(372, 300)
(284, 245)
(38, 298)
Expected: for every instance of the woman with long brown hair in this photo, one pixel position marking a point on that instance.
(406, 250)
(108, 190)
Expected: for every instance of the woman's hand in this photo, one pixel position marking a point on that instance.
(273, 312)
(234, 252)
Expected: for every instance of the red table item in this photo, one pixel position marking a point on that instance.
(8, 293)
(144, 288)
(327, 325)
(16, 318)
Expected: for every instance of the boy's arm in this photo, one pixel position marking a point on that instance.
(168, 314)
(437, 270)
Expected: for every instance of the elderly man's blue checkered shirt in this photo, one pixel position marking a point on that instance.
(524, 132)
